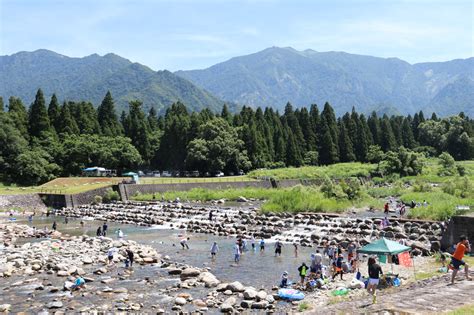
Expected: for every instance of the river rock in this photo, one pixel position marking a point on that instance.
(231, 301)
(242, 199)
(189, 273)
(209, 279)
(226, 308)
(174, 271)
(5, 307)
(246, 303)
(87, 260)
(270, 298)
(236, 286)
(250, 294)
(261, 295)
(55, 304)
(180, 301)
(260, 305)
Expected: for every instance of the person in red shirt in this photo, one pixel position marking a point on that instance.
(456, 260)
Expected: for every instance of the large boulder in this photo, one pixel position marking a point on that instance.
(189, 273)
(209, 279)
(250, 294)
(236, 286)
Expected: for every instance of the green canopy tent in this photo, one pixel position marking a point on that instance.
(384, 246)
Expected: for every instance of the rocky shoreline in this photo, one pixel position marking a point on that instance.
(306, 229)
(42, 272)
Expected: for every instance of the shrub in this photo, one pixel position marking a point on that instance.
(97, 200)
(448, 165)
(110, 196)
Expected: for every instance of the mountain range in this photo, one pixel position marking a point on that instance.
(274, 76)
(271, 77)
(89, 79)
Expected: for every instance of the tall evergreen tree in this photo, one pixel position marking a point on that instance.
(152, 119)
(19, 115)
(107, 117)
(85, 116)
(374, 125)
(67, 124)
(54, 112)
(226, 114)
(138, 130)
(346, 151)
(38, 116)
(2, 106)
(328, 153)
(387, 141)
(408, 140)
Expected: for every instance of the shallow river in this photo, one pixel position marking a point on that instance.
(259, 269)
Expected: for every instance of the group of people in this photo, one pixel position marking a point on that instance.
(102, 230)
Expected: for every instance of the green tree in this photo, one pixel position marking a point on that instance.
(225, 114)
(54, 112)
(38, 116)
(346, 152)
(138, 130)
(2, 106)
(387, 139)
(328, 151)
(19, 115)
(107, 117)
(12, 144)
(217, 148)
(67, 124)
(311, 158)
(34, 167)
(448, 165)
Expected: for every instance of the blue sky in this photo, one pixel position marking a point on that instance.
(187, 34)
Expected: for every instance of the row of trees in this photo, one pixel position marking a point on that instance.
(44, 141)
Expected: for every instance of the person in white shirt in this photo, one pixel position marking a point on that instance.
(214, 250)
(236, 253)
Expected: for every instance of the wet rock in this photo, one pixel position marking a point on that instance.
(236, 286)
(242, 199)
(209, 279)
(227, 292)
(174, 271)
(53, 305)
(250, 294)
(120, 290)
(180, 301)
(435, 246)
(246, 303)
(260, 305)
(270, 298)
(231, 301)
(86, 260)
(261, 295)
(189, 273)
(5, 307)
(226, 308)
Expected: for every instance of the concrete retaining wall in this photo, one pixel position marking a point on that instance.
(22, 202)
(457, 226)
(131, 189)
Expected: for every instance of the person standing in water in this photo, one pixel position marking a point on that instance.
(210, 215)
(237, 252)
(214, 250)
(98, 232)
(120, 234)
(278, 246)
(262, 245)
(66, 220)
(55, 226)
(130, 256)
(296, 249)
(252, 241)
(104, 228)
(184, 243)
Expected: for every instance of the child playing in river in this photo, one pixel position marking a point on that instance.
(214, 250)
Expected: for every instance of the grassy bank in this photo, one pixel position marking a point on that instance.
(341, 170)
(295, 199)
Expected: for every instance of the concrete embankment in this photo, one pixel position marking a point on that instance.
(20, 202)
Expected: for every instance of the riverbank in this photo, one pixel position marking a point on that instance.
(37, 275)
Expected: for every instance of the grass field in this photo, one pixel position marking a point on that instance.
(74, 185)
(443, 197)
(181, 180)
(341, 170)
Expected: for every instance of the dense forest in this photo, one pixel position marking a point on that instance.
(48, 140)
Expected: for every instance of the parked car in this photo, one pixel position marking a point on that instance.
(155, 174)
(195, 174)
(166, 174)
(218, 174)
